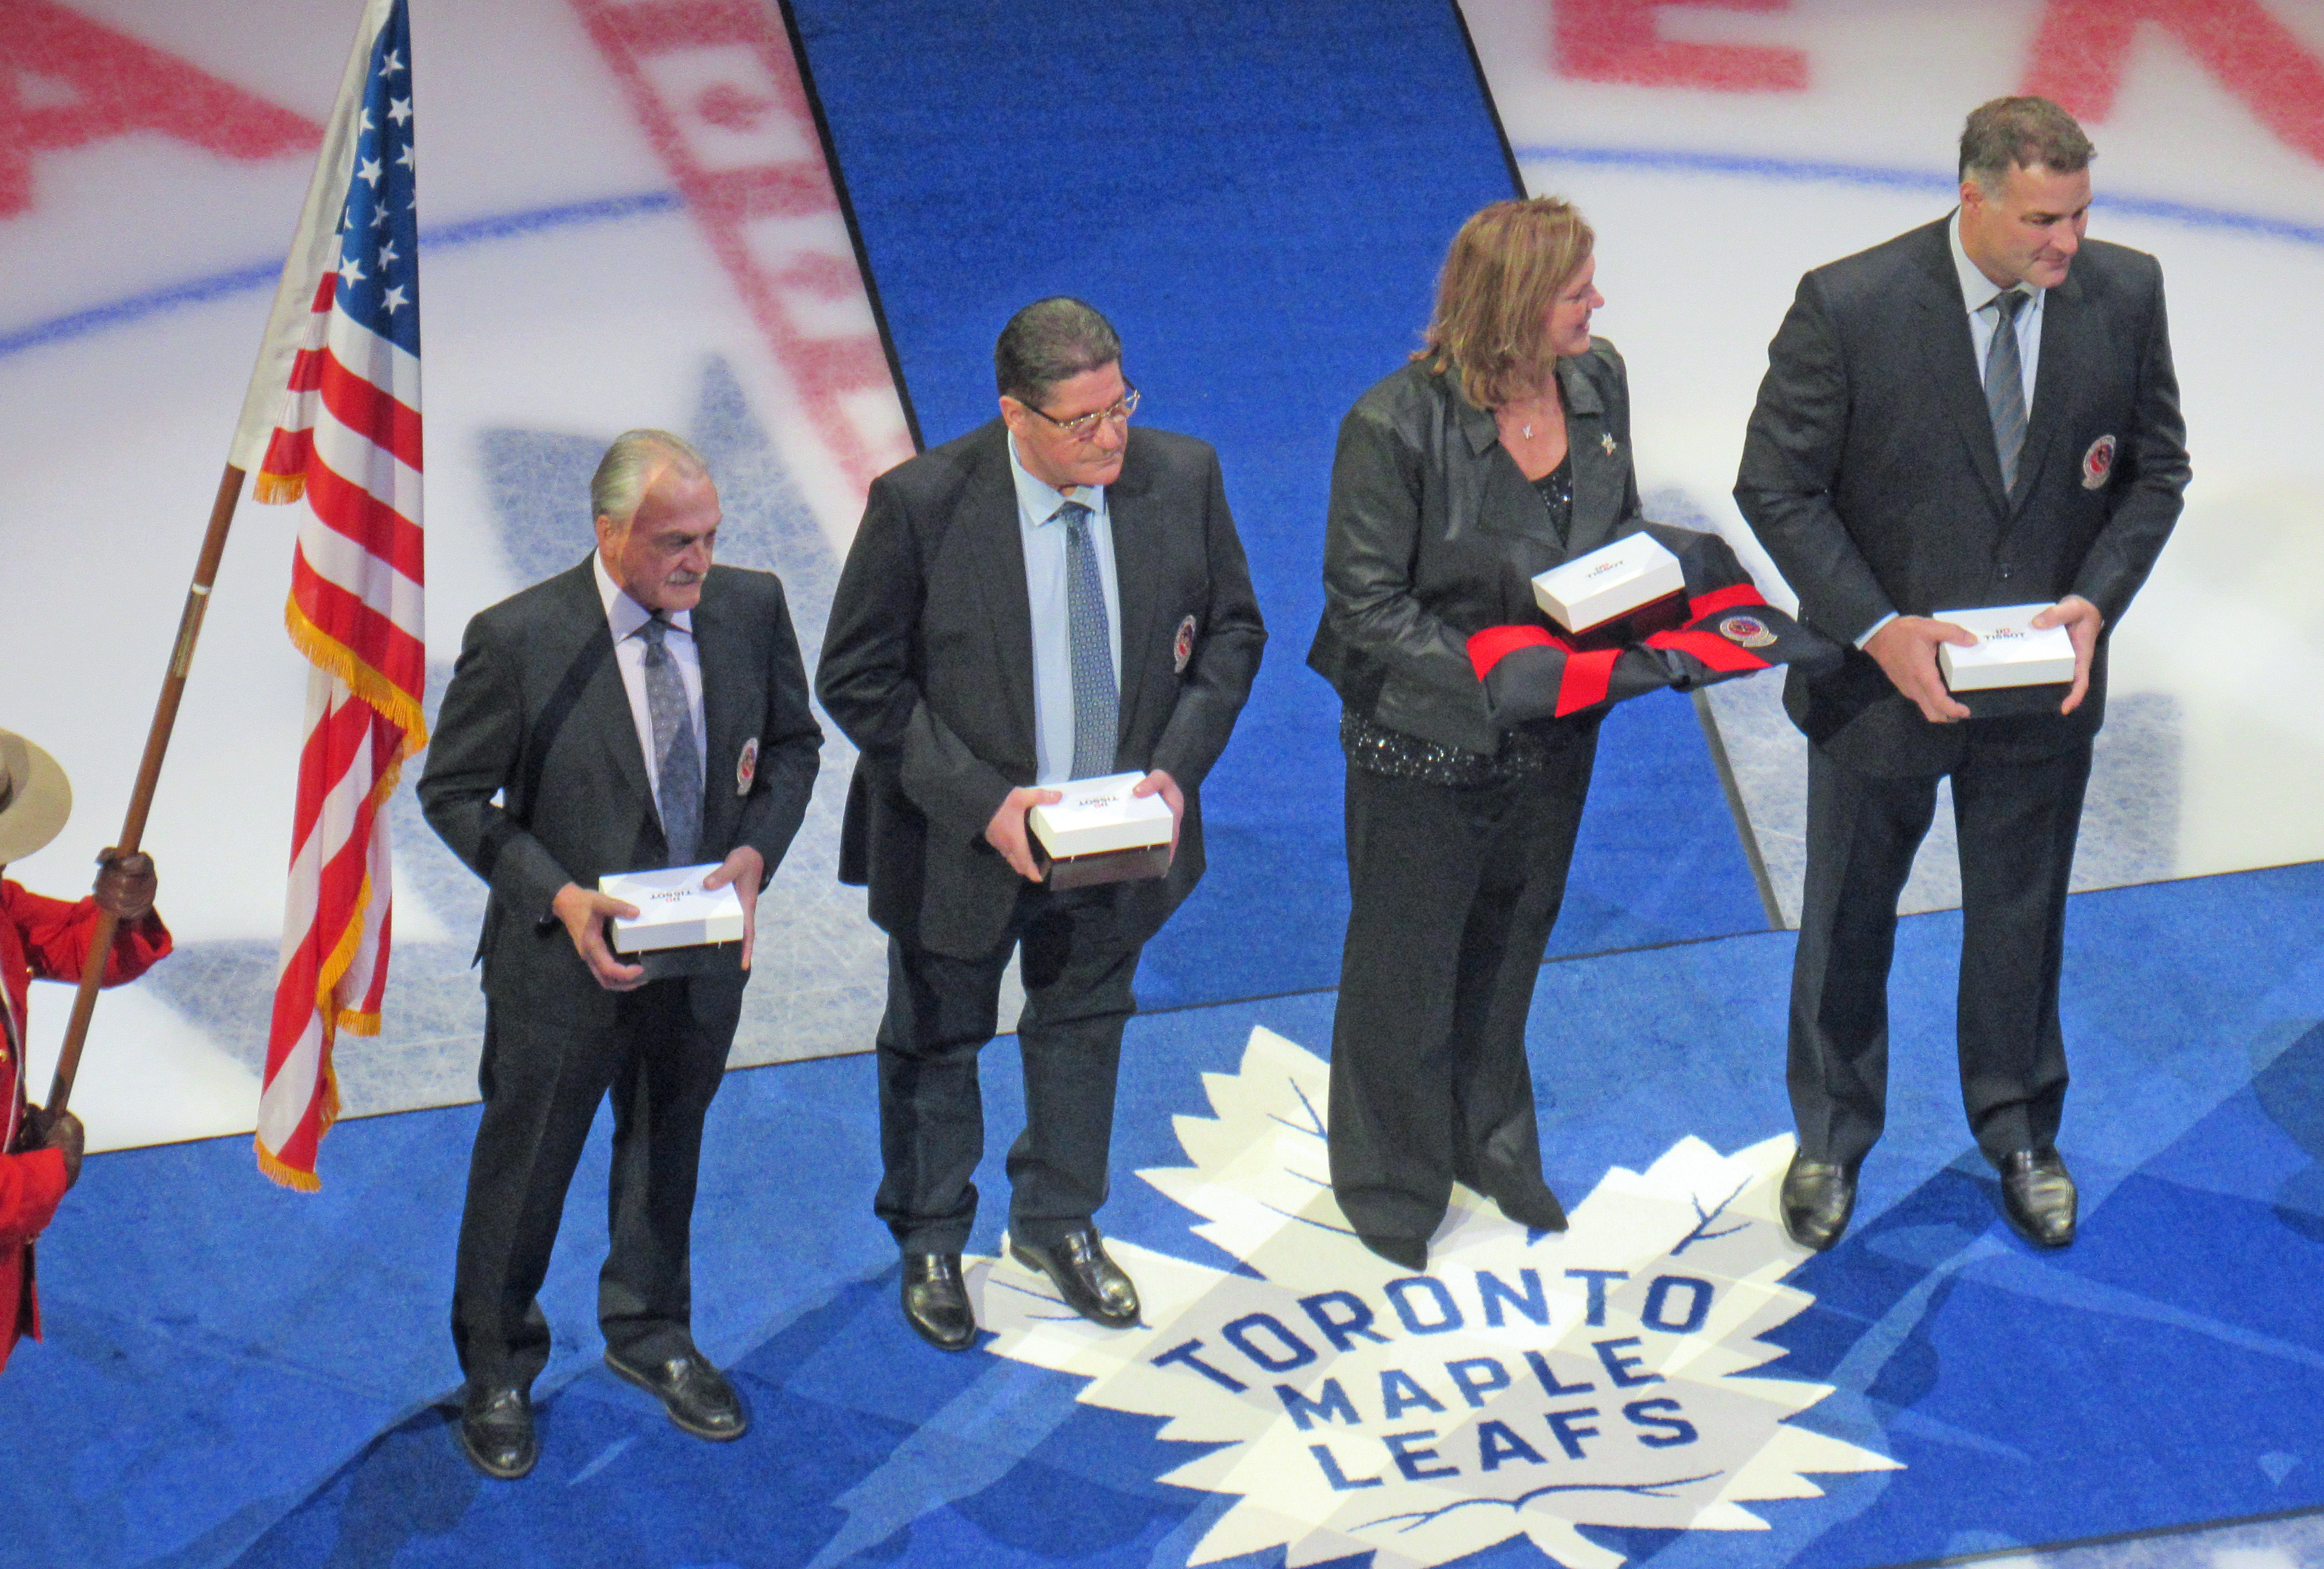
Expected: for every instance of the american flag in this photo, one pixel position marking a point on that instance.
(346, 437)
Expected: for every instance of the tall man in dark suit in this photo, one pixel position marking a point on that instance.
(1981, 411)
(643, 709)
(1052, 597)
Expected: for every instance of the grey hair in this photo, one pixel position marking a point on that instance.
(631, 465)
(1050, 341)
(2024, 132)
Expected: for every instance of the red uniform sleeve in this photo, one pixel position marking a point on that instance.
(56, 937)
(31, 1184)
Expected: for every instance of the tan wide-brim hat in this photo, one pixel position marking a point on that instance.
(35, 797)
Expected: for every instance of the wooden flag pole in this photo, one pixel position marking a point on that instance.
(149, 774)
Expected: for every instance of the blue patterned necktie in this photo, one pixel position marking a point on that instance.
(678, 765)
(2005, 385)
(1096, 699)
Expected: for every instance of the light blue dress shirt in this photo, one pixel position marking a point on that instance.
(1977, 294)
(1044, 534)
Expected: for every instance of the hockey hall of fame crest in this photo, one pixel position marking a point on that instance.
(1529, 1384)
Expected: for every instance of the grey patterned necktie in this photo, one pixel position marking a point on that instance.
(2004, 384)
(678, 765)
(1096, 699)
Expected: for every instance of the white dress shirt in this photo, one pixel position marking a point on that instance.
(624, 617)
(1044, 533)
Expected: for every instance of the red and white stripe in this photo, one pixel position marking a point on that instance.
(350, 442)
(346, 441)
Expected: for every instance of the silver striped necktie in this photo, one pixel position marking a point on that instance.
(1096, 697)
(2005, 385)
(678, 762)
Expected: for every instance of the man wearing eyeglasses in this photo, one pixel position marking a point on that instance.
(1051, 596)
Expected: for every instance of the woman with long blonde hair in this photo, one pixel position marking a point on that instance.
(1502, 449)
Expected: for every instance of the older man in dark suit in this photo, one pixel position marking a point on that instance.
(643, 709)
(1052, 597)
(1981, 411)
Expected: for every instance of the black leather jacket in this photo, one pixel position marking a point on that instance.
(1434, 534)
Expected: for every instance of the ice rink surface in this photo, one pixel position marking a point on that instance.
(626, 222)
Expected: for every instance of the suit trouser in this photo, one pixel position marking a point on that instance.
(661, 1056)
(941, 1011)
(1454, 893)
(2016, 821)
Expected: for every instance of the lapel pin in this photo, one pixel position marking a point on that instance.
(1181, 646)
(1608, 441)
(746, 767)
(2097, 463)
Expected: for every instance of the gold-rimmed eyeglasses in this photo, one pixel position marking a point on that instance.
(1082, 427)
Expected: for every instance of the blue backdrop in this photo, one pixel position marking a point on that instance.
(1259, 195)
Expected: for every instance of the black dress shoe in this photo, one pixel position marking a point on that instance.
(1531, 1206)
(1409, 1251)
(1092, 1284)
(1818, 1198)
(496, 1431)
(935, 1301)
(697, 1395)
(2038, 1196)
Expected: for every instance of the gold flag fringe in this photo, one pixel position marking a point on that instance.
(327, 1116)
(400, 707)
(278, 489)
(288, 1176)
(334, 964)
(402, 710)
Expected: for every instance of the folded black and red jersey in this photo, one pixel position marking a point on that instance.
(1719, 629)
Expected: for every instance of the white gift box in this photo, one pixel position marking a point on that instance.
(2009, 651)
(1099, 815)
(674, 909)
(1610, 581)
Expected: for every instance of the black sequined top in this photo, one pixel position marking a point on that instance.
(1376, 749)
(1556, 488)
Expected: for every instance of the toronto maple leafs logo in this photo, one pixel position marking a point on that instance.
(1529, 1384)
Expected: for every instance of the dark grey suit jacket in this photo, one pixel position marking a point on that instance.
(1871, 474)
(535, 776)
(1435, 535)
(928, 666)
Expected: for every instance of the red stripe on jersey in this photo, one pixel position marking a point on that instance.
(1587, 678)
(1709, 647)
(1735, 596)
(1495, 643)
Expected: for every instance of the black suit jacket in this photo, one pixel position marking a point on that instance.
(535, 776)
(928, 666)
(1871, 474)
